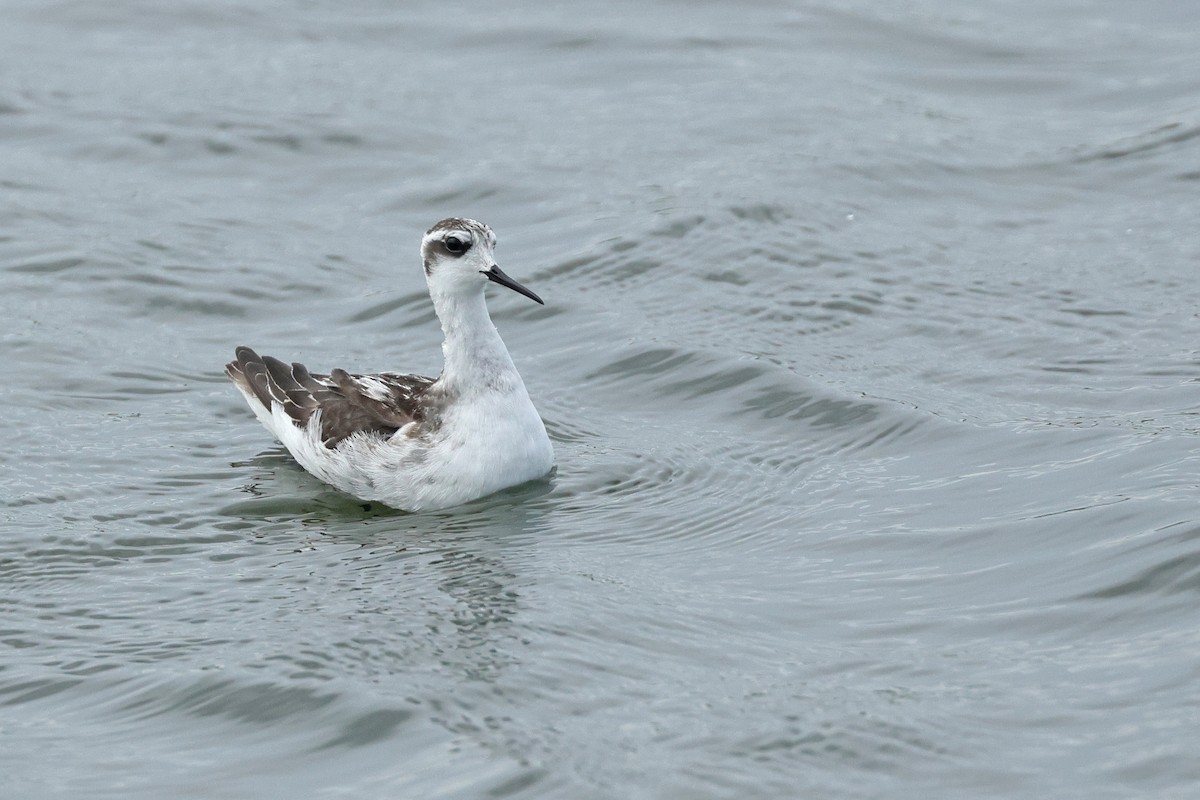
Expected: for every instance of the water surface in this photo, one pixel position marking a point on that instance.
(869, 356)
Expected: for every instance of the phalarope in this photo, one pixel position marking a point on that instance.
(407, 441)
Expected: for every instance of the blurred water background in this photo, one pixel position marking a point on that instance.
(870, 355)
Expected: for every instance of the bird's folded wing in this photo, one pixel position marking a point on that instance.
(349, 404)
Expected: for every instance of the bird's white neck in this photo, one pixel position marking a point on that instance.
(474, 354)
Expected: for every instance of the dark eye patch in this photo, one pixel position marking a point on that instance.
(456, 246)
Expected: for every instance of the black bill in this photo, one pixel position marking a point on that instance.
(496, 275)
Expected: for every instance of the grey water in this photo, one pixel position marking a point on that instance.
(870, 354)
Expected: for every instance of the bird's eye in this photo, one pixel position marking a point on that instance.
(456, 245)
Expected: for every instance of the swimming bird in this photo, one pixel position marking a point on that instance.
(411, 442)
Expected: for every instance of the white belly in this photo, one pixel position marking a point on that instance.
(481, 447)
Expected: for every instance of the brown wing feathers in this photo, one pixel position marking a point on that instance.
(383, 400)
(249, 373)
(388, 403)
(286, 389)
